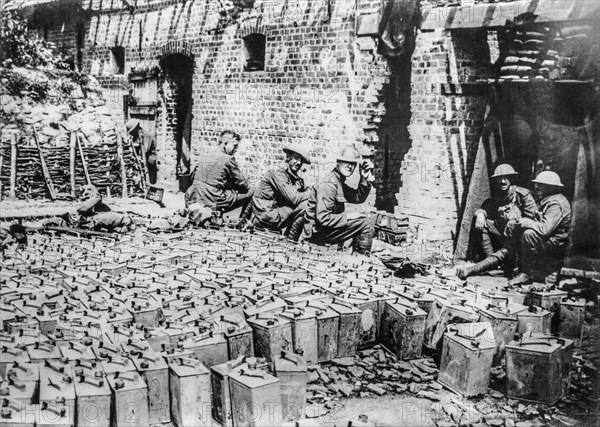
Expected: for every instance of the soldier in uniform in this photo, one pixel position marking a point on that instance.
(509, 202)
(327, 221)
(148, 146)
(547, 234)
(281, 196)
(219, 184)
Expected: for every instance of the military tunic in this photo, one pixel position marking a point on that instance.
(218, 183)
(279, 199)
(517, 203)
(327, 206)
(552, 221)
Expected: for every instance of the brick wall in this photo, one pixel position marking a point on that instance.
(444, 128)
(321, 87)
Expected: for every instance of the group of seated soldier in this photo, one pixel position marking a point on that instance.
(281, 201)
(516, 228)
(511, 228)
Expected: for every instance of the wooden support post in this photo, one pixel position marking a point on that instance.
(83, 162)
(140, 163)
(122, 163)
(72, 144)
(45, 171)
(13, 167)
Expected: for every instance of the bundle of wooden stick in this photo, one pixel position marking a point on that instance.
(29, 171)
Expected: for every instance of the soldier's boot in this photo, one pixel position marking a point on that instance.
(482, 266)
(295, 229)
(245, 216)
(364, 241)
(510, 263)
(486, 245)
(526, 268)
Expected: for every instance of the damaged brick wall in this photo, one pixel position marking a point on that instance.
(446, 122)
(321, 86)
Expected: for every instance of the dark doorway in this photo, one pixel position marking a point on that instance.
(178, 72)
(394, 138)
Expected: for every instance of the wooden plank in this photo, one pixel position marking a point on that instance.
(479, 190)
(45, 171)
(72, 144)
(13, 167)
(83, 162)
(122, 164)
(141, 162)
(493, 15)
(79, 232)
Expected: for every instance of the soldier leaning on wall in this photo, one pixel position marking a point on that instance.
(508, 203)
(542, 239)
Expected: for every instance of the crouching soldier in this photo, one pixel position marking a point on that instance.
(327, 221)
(219, 184)
(281, 197)
(508, 203)
(547, 234)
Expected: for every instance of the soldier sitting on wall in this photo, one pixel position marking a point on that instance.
(219, 184)
(281, 196)
(326, 219)
(545, 236)
(509, 202)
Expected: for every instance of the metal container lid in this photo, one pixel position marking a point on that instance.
(289, 362)
(577, 302)
(253, 378)
(538, 343)
(186, 367)
(406, 307)
(472, 335)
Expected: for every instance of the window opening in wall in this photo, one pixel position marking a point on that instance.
(117, 60)
(254, 46)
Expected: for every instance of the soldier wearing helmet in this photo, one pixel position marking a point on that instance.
(281, 197)
(327, 221)
(546, 234)
(509, 202)
(148, 146)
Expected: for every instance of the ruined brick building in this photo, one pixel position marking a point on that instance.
(437, 94)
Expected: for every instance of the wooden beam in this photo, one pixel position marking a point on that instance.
(45, 171)
(83, 161)
(13, 167)
(493, 15)
(72, 144)
(122, 164)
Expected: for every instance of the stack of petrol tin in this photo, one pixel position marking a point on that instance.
(206, 325)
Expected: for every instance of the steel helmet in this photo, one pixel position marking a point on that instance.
(503, 170)
(132, 125)
(548, 178)
(349, 154)
(300, 150)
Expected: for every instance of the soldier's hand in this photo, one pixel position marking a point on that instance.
(480, 221)
(366, 171)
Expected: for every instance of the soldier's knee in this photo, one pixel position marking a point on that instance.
(369, 225)
(529, 238)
